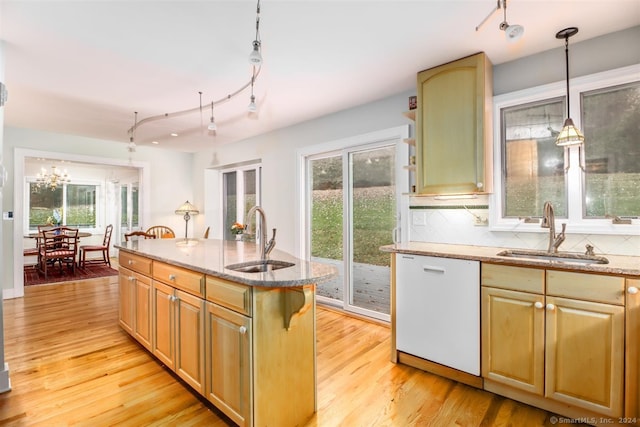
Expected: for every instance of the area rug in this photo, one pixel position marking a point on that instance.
(32, 277)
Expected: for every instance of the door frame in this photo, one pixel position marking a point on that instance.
(364, 141)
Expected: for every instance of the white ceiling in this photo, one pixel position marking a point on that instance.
(84, 67)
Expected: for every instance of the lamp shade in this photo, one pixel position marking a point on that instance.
(187, 208)
(569, 135)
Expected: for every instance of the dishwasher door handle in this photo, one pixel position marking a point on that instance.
(435, 269)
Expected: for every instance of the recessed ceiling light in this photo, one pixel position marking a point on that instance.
(155, 142)
(174, 134)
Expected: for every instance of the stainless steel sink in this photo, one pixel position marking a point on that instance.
(567, 257)
(259, 266)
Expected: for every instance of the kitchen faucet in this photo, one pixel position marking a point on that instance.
(265, 247)
(549, 221)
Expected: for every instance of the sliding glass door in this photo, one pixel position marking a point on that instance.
(352, 211)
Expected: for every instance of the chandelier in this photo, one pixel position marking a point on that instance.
(52, 179)
(255, 62)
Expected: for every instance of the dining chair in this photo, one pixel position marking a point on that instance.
(206, 233)
(138, 234)
(161, 232)
(103, 248)
(58, 245)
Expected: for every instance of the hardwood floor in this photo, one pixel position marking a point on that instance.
(71, 364)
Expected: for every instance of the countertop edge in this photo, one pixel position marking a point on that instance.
(244, 278)
(618, 264)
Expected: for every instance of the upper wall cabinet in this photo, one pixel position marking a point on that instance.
(453, 127)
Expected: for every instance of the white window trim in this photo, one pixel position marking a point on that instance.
(575, 223)
(99, 204)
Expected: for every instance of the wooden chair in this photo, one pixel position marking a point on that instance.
(104, 248)
(138, 234)
(161, 232)
(58, 245)
(206, 233)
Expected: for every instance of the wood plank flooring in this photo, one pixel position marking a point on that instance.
(71, 364)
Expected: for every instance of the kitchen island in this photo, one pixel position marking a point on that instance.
(243, 340)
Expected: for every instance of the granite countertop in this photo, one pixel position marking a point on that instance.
(210, 256)
(618, 264)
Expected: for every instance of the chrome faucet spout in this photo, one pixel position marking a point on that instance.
(549, 221)
(265, 247)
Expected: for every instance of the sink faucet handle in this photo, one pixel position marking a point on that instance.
(589, 250)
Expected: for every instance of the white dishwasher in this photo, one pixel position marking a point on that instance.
(438, 310)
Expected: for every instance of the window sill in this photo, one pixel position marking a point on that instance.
(595, 227)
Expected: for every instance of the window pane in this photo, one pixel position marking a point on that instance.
(42, 202)
(230, 198)
(135, 205)
(81, 205)
(124, 219)
(250, 195)
(612, 151)
(533, 165)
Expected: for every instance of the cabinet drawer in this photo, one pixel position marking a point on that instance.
(135, 262)
(591, 287)
(180, 278)
(229, 294)
(515, 278)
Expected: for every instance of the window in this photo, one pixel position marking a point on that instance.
(587, 185)
(612, 172)
(73, 205)
(241, 191)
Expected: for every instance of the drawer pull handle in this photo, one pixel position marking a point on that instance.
(130, 262)
(428, 268)
(551, 307)
(172, 277)
(131, 278)
(632, 290)
(538, 304)
(242, 330)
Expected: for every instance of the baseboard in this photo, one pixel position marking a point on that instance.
(5, 381)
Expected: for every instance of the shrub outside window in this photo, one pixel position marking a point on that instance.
(72, 205)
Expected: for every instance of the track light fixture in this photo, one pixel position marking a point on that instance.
(511, 32)
(255, 59)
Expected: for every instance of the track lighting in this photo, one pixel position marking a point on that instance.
(255, 57)
(511, 32)
(252, 105)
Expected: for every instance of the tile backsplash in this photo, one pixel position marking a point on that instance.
(455, 223)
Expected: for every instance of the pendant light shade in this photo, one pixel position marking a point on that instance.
(570, 134)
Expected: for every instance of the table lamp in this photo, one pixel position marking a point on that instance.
(187, 209)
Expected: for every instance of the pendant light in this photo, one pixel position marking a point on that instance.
(511, 32)
(253, 107)
(570, 134)
(212, 125)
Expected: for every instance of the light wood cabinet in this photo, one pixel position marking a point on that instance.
(559, 337)
(228, 362)
(178, 328)
(248, 350)
(453, 127)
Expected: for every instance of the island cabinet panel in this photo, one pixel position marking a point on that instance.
(180, 278)
(178, 319)
(453, 127)
(126, 297)
(249, 350)
(135, 262)
(228, 362)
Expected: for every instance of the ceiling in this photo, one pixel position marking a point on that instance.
(84, 67)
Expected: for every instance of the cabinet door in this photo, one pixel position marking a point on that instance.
(513, 338)
(452, 125)
(228, 366)
(189, 336)
(142, 326)
(125, 295)
(585, 354)
(162, 312)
